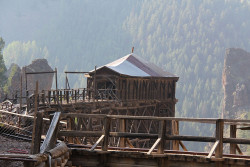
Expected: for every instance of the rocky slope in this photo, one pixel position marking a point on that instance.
(236, 83)
(14, 75)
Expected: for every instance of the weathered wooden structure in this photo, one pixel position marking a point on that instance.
(132, 78)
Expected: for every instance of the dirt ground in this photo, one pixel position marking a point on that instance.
(11, 146)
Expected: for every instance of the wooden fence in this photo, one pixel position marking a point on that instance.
(161, 137)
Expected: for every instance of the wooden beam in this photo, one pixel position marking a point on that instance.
(97, 142)
(50, 136)
(154, 146)
(233, 129)
(106, 131)
(219, 136)
(183, 146)
(35, 149)
(238, 149)
(175, 131)
(129, 143)
(162, 136)
(78, 133)
(122, 127)
(213, 149)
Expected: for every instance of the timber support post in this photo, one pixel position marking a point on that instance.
(161, 135)
(106, 131)
(233, 129)
(175, 131)
(122, 129)
(219, 137)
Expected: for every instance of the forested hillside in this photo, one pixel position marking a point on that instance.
(187, 38)
(2, 66)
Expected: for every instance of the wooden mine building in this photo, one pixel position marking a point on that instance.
(131, 79)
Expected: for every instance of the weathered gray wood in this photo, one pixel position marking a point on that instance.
(122, 126)
(50, 134)
(76, 133)
(154, 146)
(162, 136)
(213, 149)
(59, 150)
(35, 137)
(175, 131)
(35, 147)
(97, 142)
(219, 137)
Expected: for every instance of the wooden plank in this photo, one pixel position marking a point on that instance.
(50, 134)
(73, 115)
(97, 142)
(201, 120)
(76, 133)
(154, 146)
(213, 149)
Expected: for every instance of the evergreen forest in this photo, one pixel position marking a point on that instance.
(187, 38)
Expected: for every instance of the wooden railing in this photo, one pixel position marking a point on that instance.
(161, 136)
(66, 96)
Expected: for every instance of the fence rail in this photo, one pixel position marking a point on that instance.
(161, 136)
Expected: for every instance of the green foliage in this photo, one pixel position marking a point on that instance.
(189, 38)
(11, 75)
(2, 65)
(22, 53)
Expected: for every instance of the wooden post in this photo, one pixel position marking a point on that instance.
(34, 123)
(95, 84)
(122, 129)
(35, 149)
(161, 135)
(106, 130)
(43, 97)
(66, 79)
(21, 93)
(56, 78)
(175, 131)
(26, 86)
(233, 135)
(69, 127)
(219, 137)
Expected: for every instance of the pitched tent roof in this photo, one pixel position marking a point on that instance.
(132, 65)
